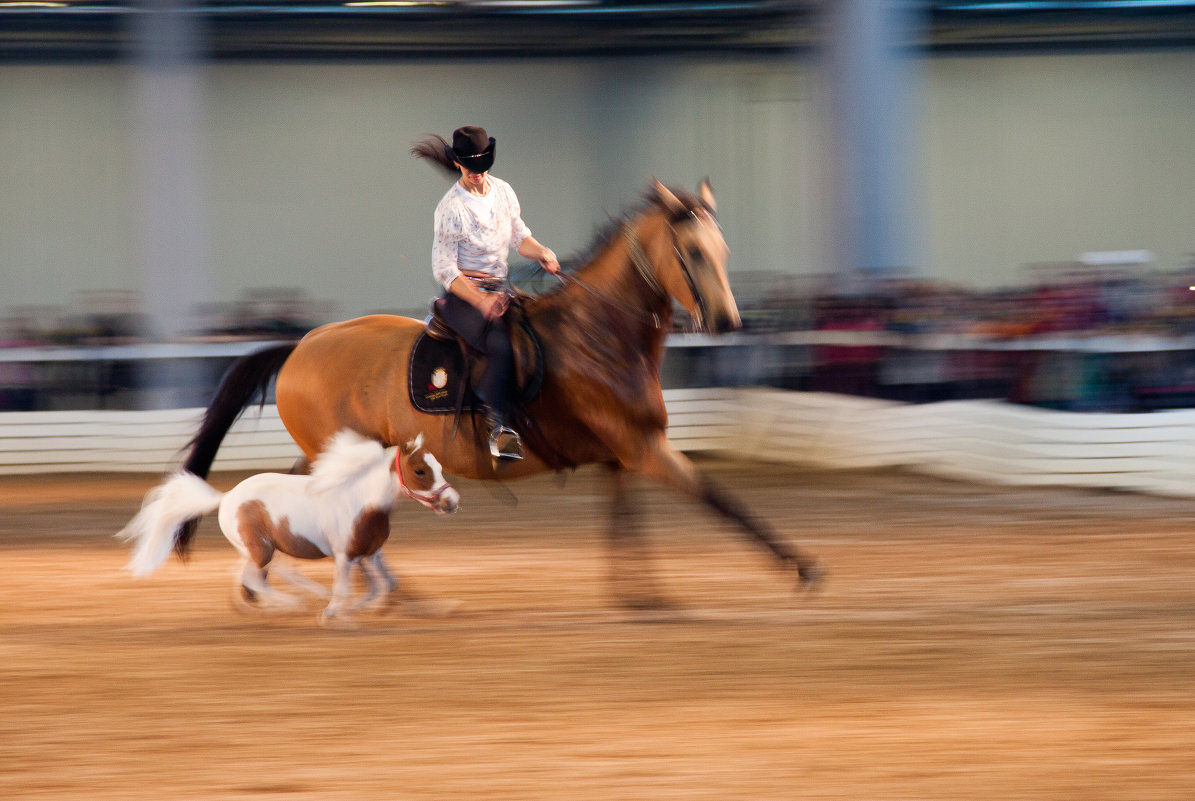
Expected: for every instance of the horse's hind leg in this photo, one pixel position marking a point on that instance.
(631, 575)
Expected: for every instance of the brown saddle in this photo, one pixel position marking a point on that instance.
(444, 369)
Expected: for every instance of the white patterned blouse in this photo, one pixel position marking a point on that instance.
(476, 233)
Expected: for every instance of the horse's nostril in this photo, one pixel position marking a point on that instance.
(726, 325)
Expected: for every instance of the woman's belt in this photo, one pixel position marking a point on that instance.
(484, 281)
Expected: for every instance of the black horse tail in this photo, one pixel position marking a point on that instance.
(247, 377)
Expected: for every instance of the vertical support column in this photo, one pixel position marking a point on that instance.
(872, 85)
(166, 102)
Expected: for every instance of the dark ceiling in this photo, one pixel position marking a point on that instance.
(389, 29)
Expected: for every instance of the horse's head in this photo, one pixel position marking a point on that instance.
(422, 479)
(692, 265)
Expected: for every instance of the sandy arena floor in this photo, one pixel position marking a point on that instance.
(969, 643)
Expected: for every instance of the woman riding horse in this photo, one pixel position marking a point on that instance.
(601, 342)
(477, 222)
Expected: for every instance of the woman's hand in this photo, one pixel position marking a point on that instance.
(493, 305)
(532, 249)
(548, 261)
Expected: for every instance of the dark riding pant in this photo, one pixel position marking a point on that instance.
(491, 338)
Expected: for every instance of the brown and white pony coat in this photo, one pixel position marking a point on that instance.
(341, 510)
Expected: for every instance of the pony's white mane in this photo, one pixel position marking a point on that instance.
(347, 456)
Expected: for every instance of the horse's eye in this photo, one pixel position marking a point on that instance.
(420, 472)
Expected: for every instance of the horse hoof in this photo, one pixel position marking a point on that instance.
(647, 603)
(810, 576)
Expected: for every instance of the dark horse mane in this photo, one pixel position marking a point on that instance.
(608, 232)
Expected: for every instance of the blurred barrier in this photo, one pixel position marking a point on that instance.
(983, 441)
(144, 441)
(153, 441)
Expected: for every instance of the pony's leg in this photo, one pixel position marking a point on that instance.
(256, 589)
(666, 464)
(252, 581)
(631, 575)
(342, 586)
(381, 582)
(311, 586)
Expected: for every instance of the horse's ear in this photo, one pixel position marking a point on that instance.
(706, 193)
(413, 445)
(667, 199)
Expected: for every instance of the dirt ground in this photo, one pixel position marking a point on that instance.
(968, 643)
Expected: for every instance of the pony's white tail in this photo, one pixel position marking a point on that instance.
(167, 506)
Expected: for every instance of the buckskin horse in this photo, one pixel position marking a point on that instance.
(601, 338)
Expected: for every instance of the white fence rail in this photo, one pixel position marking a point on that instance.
(151, 441)
(981, 441)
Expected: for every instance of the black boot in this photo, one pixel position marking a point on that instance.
(505, 445)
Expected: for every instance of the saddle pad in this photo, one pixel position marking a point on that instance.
(437, 377)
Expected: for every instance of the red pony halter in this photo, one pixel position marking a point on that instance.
(428, 498)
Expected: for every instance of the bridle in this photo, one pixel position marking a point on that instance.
(643, 265)
(428, 498)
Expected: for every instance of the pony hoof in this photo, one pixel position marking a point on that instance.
(244, 601)
(337, 621)
(431, 607)
(372, 605)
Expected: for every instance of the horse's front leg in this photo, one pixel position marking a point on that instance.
(666, 464)
(631, 575)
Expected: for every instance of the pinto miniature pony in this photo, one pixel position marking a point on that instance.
(341, 510)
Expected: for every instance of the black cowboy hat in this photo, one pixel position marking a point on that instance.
(471, 148)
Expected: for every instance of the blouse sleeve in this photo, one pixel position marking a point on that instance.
(518, 229)
(445, 245)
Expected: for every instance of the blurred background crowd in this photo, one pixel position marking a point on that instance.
(1078, 339)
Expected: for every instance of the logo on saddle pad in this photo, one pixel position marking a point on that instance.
(440, 380)
(436, 384)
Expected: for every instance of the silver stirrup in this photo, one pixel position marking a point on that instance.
(505, 444)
